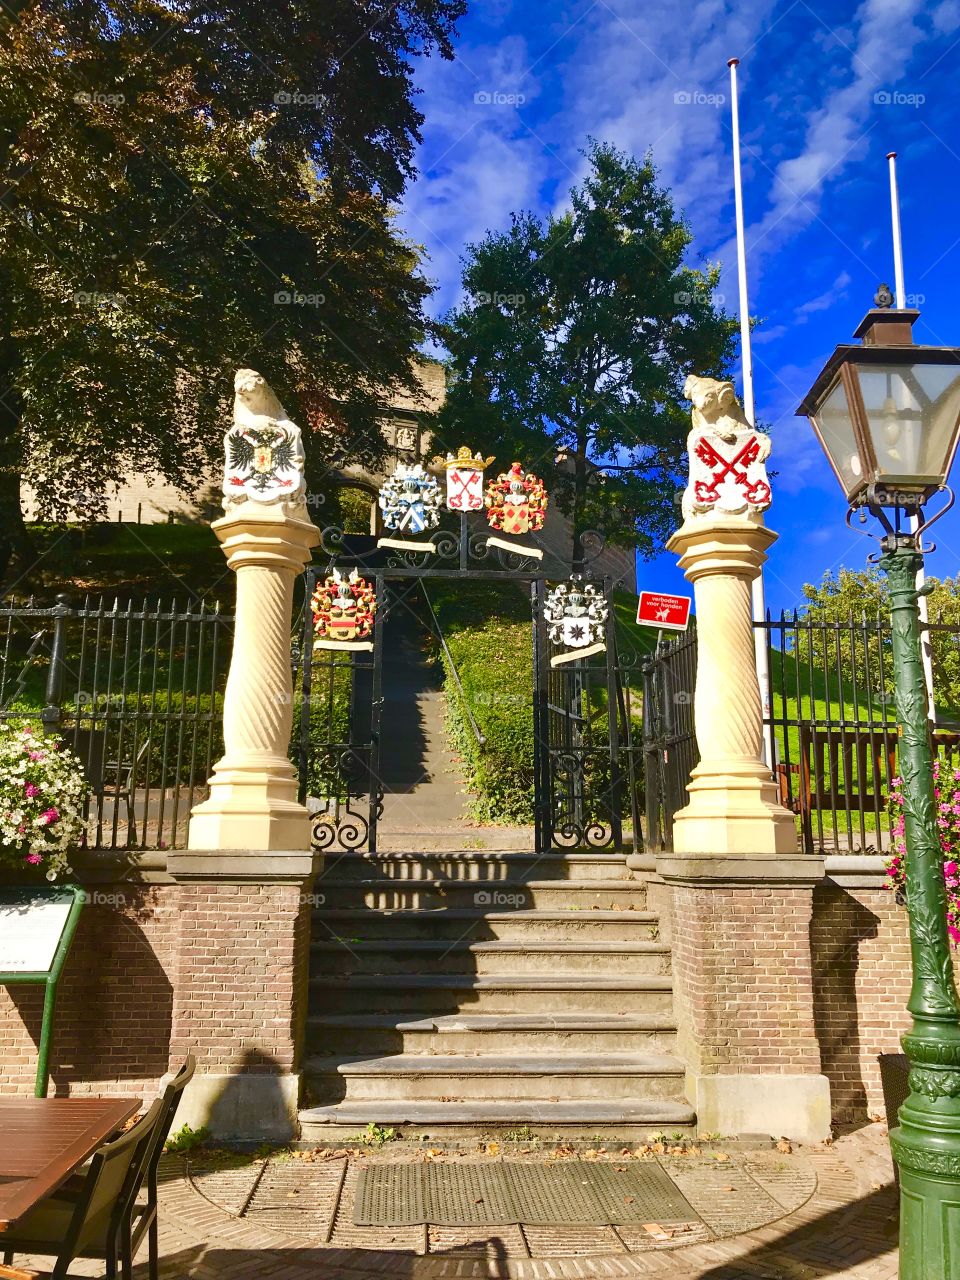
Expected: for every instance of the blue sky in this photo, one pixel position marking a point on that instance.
(826, 90)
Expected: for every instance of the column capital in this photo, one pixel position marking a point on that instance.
(722, 544)
(270, 536)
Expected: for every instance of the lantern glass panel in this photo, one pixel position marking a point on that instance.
(835, 425)
(913, 411)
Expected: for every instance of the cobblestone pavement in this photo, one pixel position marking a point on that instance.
(761, 1215)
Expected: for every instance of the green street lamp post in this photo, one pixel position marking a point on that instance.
(887, 414)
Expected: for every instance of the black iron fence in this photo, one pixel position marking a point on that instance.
(669, 743)
(830, 732)
(135, 689)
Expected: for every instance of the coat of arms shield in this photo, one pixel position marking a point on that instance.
(464, 479)
(576, 615)
(516, 504)
(410, 501)
(343, 607)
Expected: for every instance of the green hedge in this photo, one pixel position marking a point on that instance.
(487, 628)
(329, 722)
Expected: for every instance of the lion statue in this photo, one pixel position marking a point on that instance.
(264, 450)
(255, 403)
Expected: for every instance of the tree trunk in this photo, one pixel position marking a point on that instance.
(579, 504)
(17, 551)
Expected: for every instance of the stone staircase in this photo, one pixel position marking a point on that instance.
(475, 992)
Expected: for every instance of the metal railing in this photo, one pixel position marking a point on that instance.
(830, 735)
(135, 689)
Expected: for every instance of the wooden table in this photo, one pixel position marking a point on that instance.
(43, 1140)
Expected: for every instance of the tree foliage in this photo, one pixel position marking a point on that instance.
(862, 597)
(189, 187)
(575, 339)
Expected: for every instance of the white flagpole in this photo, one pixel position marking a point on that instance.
(746, 364)
(901, 298)
(897, 242)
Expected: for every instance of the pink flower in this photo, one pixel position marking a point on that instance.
(36, 755)
(30, 790)
(49, 816)
(950, 868)
(954, 933)
(33, 858)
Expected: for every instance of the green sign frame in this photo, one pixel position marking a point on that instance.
(50, 977)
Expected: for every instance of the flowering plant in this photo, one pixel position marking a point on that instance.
(946, 793)
(42, 791)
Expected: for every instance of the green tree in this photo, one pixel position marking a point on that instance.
(184, 188)
(574, 342)
(861, 596)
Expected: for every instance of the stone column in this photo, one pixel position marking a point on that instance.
(253, 791)
(734, 806)
(244, 881)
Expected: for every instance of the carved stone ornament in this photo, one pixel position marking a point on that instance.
(576, 614)
(263, 449)
(343, 606)
(727, 456)
(464, 478)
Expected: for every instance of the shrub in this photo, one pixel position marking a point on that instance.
(946, 792)
(41, 802)
(488, 631)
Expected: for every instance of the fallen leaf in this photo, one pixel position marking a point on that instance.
(784, 1146)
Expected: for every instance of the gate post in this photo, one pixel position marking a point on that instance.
(734, 805)
(739, 895)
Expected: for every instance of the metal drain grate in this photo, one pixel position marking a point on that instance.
(541, 1195)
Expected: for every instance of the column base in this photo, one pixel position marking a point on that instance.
(242, 1108)
(734, 808)
(250, 809)
(796, 1107)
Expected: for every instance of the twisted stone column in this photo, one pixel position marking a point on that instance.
(734, 805)
(253, 791)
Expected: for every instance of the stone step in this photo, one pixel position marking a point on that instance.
(622, 1120)
(552, 895)
(357, 1033)
(504, 993)
(472, 865)
(422, 956)
(393, 836)
(625, 924)
(493, 1077)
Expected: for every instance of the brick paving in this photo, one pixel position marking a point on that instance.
(818, 1212)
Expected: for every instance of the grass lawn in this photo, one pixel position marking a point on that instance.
(173, 561)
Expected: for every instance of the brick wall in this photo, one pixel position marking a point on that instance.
(158, 970)
(115, 1000)
(861, 955)
(785, 980)
(742, 971)
(235, 1003)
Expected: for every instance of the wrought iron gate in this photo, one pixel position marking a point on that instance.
(586, 775)
(578, 787)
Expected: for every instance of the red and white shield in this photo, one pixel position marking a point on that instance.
(465, 488)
